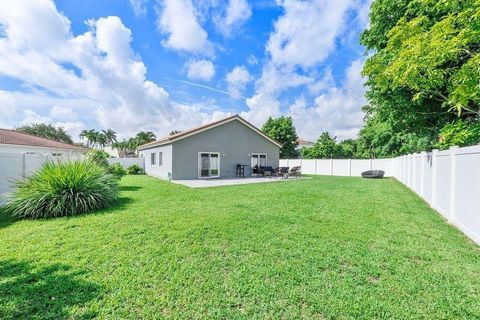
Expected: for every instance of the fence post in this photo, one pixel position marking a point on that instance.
(371, 164)
(434, 177)
(315, 161)
(423, 156)
(350, 167)
(331, 167)
(453, 184)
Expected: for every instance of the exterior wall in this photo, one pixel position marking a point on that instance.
(233, 140)
(165, 170)
(111, 151)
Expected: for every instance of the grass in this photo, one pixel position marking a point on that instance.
(326, 247)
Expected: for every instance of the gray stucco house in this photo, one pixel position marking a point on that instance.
(210, 151)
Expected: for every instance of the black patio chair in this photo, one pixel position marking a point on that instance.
(295, 172)
(282, 172)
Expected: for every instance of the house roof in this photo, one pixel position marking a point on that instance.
(303, 142)
(24, 139)
(211, 125)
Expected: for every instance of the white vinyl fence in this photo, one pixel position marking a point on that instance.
(449, 180)
(127, 162)
(15, 166)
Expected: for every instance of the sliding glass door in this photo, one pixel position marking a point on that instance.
(209, 165)
(259, 159)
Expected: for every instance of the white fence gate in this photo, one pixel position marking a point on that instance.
(449, 180)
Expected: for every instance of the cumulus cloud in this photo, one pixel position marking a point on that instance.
(200, 70)
(302, 39)
(97, 71)
(236, 14)
(63, 113)
(178, 21)
(237, 79)
(305, 34)
(139, 7)
(337, 109)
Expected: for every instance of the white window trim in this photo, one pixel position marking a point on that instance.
(199, 164)
(154, 159)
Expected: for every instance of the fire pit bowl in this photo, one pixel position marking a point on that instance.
(373, 174)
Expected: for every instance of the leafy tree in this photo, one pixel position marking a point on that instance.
(99, 138)
(110, 136)
(46, 131)
(460, 133)
(129, 147)
(422, 73)
(282, 130)
(325, 147)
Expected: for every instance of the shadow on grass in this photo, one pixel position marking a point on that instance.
(50, 292)
(5, 219)
(130, 188)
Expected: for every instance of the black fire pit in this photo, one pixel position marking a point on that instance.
(373, 174)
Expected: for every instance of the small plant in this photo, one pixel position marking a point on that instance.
(117, 170)
(135, 169)
(63, 189)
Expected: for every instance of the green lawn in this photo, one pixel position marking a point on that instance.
(325, 247)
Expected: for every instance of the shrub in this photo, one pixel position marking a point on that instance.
(117, 170)
(63, 189)
(98, 156)
(135, 169)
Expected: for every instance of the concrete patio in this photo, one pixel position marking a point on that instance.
(205, 183)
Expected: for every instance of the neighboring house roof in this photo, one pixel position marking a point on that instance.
(24, 139)
(304, 142)
(194, 131)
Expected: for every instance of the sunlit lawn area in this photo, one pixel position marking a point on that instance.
(325, 247)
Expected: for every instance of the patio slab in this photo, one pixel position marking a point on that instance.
(205, 183)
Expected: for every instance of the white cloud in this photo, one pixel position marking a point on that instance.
(96, 73)
(305, 34)
(178, 20)
(261, 106)
(236, 14)
(139, 7)
(200, 70)
(337, 110)
(237, 79)
(62, 113)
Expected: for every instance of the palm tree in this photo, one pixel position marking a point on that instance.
(110, 136)
(90, 136)
(145, 137)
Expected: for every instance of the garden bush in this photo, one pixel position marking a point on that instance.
(63, 189)
(117, 170)
(135, 169)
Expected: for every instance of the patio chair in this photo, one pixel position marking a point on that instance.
(281, 172)
(295, 172)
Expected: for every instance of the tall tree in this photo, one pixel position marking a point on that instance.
(422, 73)
(46, 131)
(110, 136)
(282, 130)
(325, 147)
(145, 137)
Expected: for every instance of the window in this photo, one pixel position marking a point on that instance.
(152, 159)
(209, 165)
(160, 158)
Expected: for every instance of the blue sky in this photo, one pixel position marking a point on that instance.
(162, 65)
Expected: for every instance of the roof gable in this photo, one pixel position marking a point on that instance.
(12, 137)
(194, 131)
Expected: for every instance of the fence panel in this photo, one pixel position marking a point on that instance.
(324, 167)
(308, 166)
(341, 167)
(127, 162)
(466, 208)
(442, 184)
(359, 166)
